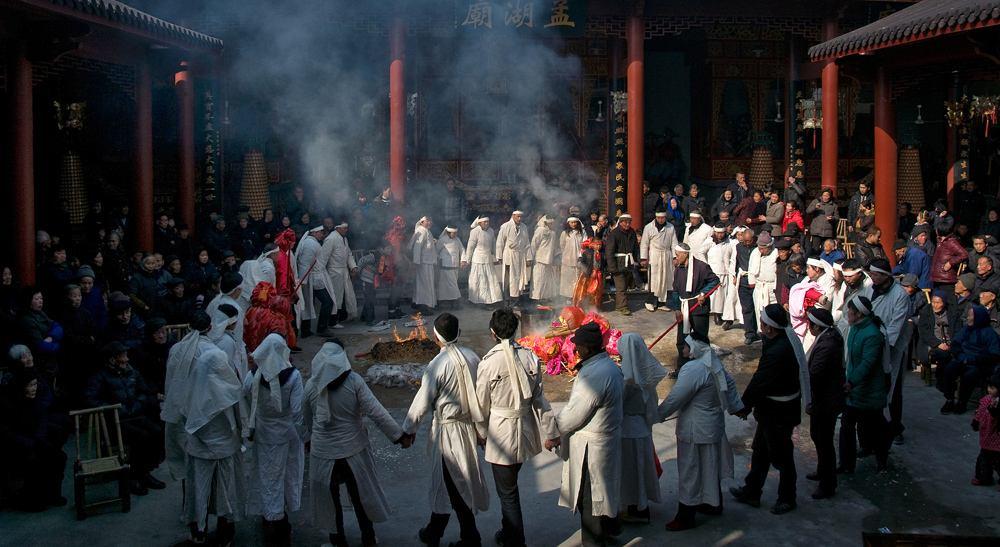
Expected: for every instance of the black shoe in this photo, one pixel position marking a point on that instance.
(783, 507)
(718, 320)
(338, 540)
(153, 483)
(899, 440)
(138, 488)
(845, 470)
(726, 325)
(711, 510)
(821, 494)
(498, 537)
(813, 476)
(635, 516)
(742, 497)
(305, 334)
(948, 408)
(426, 539)
(613, 527)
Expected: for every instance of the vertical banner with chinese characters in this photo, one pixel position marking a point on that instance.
(565, 17)
(618, 170)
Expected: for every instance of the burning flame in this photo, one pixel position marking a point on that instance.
(419, 332)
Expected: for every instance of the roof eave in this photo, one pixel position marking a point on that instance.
(837, 49)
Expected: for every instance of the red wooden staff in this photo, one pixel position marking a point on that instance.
(674, 324)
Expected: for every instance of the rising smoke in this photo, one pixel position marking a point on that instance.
(321, 78)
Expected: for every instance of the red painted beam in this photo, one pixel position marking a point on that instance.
(22, 163)
(184, 86)
(142, 191)
(397, 111)
(635, 73)
(886, 158)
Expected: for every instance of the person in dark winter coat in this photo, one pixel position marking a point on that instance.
(796, 192)
(40, 333)
(774, 396)
(151, 357)
(870, 247)
(972, 356)
(693, 201)
(200, 274)
(824, 215)
(124, 326)
(726, 202)
(862, 198)
(145, 287)
(751, 211)
(948, 255)
(33, 431)
(914, 261)
(934, 331)
(118, 383)
(216, 240)
(826, 379)
(176, 308)
(622, 257)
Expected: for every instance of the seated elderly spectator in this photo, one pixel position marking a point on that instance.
(176, 308)
(40, 333)
(118, 383)
(145, 287)
(986, 277)
(831, 253)
(124, 327)
(56, 272)
(200, 274)
(934, 330)
(988, 300)
(150, 358)
(33, 431)
(79, 343)
(93, 296)
(972, 356)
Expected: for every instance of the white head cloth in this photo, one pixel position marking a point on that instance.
(800, 355)
(180, 364)
(573, 219)
(342, 225)
(703, 354)
(220, 322)
(466, 387)
(218, 391)
(518, 212)
(688, 286)
(543, 221)
(478, 220)
(327, 365)
(271, 357)
(642, 369)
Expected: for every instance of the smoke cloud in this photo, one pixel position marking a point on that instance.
(319, 80)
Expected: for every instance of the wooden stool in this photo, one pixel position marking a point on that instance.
(103, 461)
(842, 230)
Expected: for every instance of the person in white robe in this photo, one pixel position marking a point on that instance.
(337, 400)
(254, 271)
(802, 296)
(316, 285)
(640, 484)
(514, 411)
(720, 259)
(545, 269)
(571, 248)
(697, 235)
(275, 392)
(177, 389)
(448, 392)
(656, 253)
(231, 289)
(423, 249)
(223, 335)
(484, 282)
(855, 283)
(762, 273)
(214, 424)
(451, 257)
(704, 392)
(591, 444)
(341, 267)
(732, 309)
(514, 253)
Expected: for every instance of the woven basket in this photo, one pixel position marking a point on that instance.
(910, 181)
(253, 193)
(761, 168)
(73, 187)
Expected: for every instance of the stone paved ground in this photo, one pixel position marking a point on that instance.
(927, 489)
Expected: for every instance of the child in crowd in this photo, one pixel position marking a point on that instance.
(987, 423)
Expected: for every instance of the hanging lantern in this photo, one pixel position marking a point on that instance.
(72, 190)
(254, 193)
(910, 181)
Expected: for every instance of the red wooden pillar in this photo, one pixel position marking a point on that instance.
(397, 111)
(184, 86)
(636, 115)
(886, 156)
(830, 85)
(22, 163)
(142, 192)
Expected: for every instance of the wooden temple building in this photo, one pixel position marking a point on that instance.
(665, 92)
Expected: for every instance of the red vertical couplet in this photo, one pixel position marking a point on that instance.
(397, 112)
(886, 157)
(636, 113)
(184, 86)
(22, 163)
(831, 85)
(142, 190)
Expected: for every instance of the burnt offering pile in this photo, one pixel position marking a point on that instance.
(415, 348)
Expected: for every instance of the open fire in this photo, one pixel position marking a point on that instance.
(415, 347)
(419, 332)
